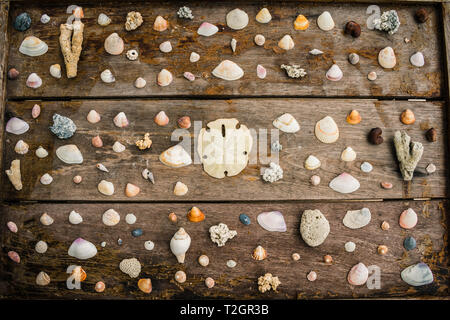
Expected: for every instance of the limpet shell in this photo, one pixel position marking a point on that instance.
(228, 70)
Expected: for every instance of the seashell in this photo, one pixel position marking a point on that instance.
(131, 267)
(145, 285)
(312, 276)
(382, 249)
(431, 135)
(164, 78)
(228, 70)
(77, 179)
(409, 243)
(100, 286)
(328, 259)
(35, 111)
(417, 59)
(195, 215)
(372, 76)
(261, 72)
(231, 263)
(334, 73)
(97, 142)
(134, 20)
(326, 130)
(41, 247)
(14, 256)
(407, 117)
(149, 245)
(21, 147)
(286, 42)
(272, 221)
(184, 122)
(301, 23)
(209, 282)
(46, 179)
(386, 185)
(431, 168)
(180, 189)
(354, 117)
(358, 274)
(386, 58)
(314, 227)
(355, 219)
(33, 47)
(46, 220)
(295, 256)
(132, 190)
(107, 76)
(17, 126)
(140, 83)
(207, 29)
(233, 44)
(189, 76)
(118, 147)
(75, 217)
(148, 175)
(120, 120)
(41, 152)
(286, 123)
(106, 188)
(315, 180)
(55, 71)
(132, 54)
(180, 276)
(350, 246)
(348, 154)
(194, 57)
(69, 154)
(344, 183)
(263, 16)
(353, 58)
(179, 244)
(12, 226)
(352, 28)
(175, 157)
(42, 279)
(259, 40)
(110, 217)
(408, 219)
(13, 74)
(93, 117)
(14, 175)
(325, 21)
(33, 81)
(165, 47)
(160, 24)
(417, 275)
(161, 119)
(203, 260)
(103, 20)
(173, 217)
(130, 218)
(312, 163)
(316, 52)
(366, 167)
(237, 19)
(114, 44)
(82, 249)
(259, 253)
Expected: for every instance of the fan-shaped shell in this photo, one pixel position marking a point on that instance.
(33, 46)
(326, 130)
(286, 123)
(82, 249)
(175, 157)
(228, 70)
(237, 19)
(114, 44)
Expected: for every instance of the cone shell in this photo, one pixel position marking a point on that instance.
(93, 117)
(106, 188)
(286, 42)
(120, 120)
(33, 46)
(180, 189)
(386, 58)
(354, 117)
(358, 275)
(164, 78)
(407, 117)
(237, 19)
(259, 253)
(228, 70)
(160, 24)
(325, 21)
(301, 23)
(326, 130)
(42, 279)
(263, 16)
(131, 190)
(145, 285)
(312, 163)
(175, 157)
(114, 44)
(286, 123)
(161, 119)
(195, 215)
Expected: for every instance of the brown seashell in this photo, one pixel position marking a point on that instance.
(160, 24)
(79, 274)
(97, 142)
(161, 119)
(385, 225)
(382, 249)
(375, 136)
(184, 122)
(353, 29)
(431, 135)
(173, 217)
(328, 259)
(131, 190)
(13, 74)
(354, 117)
(195, 215)
(259, 253)
(145, 285)
(407, 117)
(421, 15)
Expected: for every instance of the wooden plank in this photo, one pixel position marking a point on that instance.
(257, 114)
(446, 27)
(241, 282)
(403, 81)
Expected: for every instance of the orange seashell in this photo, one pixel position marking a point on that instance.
(328, 259)
(79, 273)
(97, 142)
(160, 24)
(259, 253)
(173, 217)
(301, 23)
(184, 122)
(407, 117)
(131, 190)
(382, 249)
(354, 117)
(145, 285)
(161, 119)
(195, 215)
(78, 12)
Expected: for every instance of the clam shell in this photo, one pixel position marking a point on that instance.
(35, 111)
(237, 19)
(272, 221)
(326, 130)
(161, 119)
(114, 44)
(325, 21)
(21, 147)
(145, 285)
(179, 244)
(140, 83)
(408, 219)
(34, 81)
(286, 123)
(386, 58)
(417, 275)
(107, 76)
(46, 179)
(180, 189)
(160, 24)
(189, 76)
(42, 279)
(194, 57)
(358, 275)
(164, 78)
(33, 46)
(355, 219)
(75, 217)
(93, 117)
(165, 47)
(334, 73)
(55, 71)
(348, 154)
(207, 29)
(69, 154)
(344, 183)
(103, 20)
(110, 217)
(175, 157)
(263, 16)
(12, 226)
(82, 249)
(228, 70)
(118, 147)
(417, 59)
(312, 163)
(120, 120)
(106, 188)
(46, 220)
(286, 42)
(131, 190)
(17, 126)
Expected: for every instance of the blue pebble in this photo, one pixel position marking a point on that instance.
(409, 243)
(244, 219)
(22, 22)
(137, 232)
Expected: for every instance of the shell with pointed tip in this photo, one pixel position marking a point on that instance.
(46, 179)
(140, 83)
(97, 142)
(114, 44)
(21, 147)
(14, 256)
(228, 70)
(164, 78)
(175, 157)
(348, 154)
(160, 24)
(312, 163)
(161, 119)
(325, 21)
(82, 249)
(120, 120)
(165, 47)
(417, 275)
(103, 20)
(42, 279)
(233, 44)
(180, 189)
(33, 46)
(36, 111)
(207, 29)
(110, 217)
(301, 23)
(261, 72)
(417, 59)
(107, 76)
(179, 244)
(334, 73)
(286, 123)
(358, 274)
(12, 226)
(106, 188)
(237, 19)
(75, 217)
(34, 81)
(194, 57)
(195, 215)
(355, 219)
(17, 126)
(315, 52)
(286, 42)
(263, 16)
(55, 71)
(326, 130)
(46, 220)
(354, 117)
(132, 190)
(259, 253)
(272, 221)
(386, 58)
(69, 154)
(344, 183)
(118, 147)
(93, 117)
(408, 219)
(101, 167)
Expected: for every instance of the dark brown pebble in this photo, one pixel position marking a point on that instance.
(375, 136)
(421, 15)
(431, 135)
(13, 74)
(353, 29)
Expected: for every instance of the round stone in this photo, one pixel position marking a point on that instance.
(350, 246)
(103, 244)
(409, 243)
(22, 22)
(137, 232)
(130, 218)
(244, 219)
(149, 245)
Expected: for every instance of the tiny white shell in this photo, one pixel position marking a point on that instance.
(165, 47)
(41, 247)
(231, 263)
(315, 52)
(55, 71)
(312, 163)
(149, 245)
(75, 217)
(348, 154)
(140, 83)
(103, 20)
(130, 218)
(101, 167)
(194, 57)
(111, 217)
(45, 18)
(350, 246)
(366, 167)
(118, 147)
(233, 44)
(46, 220)
(132, 54)
(107, 76)
(46, 179)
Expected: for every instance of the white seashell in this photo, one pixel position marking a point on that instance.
(106, 188)
(312, 163)
(118, 147)
(286, 123)
(334, 73)
(45, 18)
(46, 220)
(17, 126)
(42, 279)
(344, 183)
(175, 157)
(189, 76)
(75, 217)
(148, 175)
(114, 44)
(149, 245)
(111, 217)
(35, 111)
(315, 52)
(325, 21)
(107, 76)
(261, 72)
(164, 78)
(179, 244)
(180, 189)
(263, 16)
(417, 59)
(233, 44)
(120, 120)
(353, 58)
(103, 20)
(286, 42)
(55, 71)
(132, 55)
(165, 47)
(355, 219)
(21, 147)
(46, 179)
(140, 83)
(194, 57)
(259, 40)
(326, 130)
(228, 70)
(237, 19)
(386, 58)
(41, 247)
(33, 47)
(41, 152)
(34, 81)
(372, 76)
(366, 167)
(130, 218)
(203, 260)
(231, 263)
(349, 246)
(82, 249)
(348, 154)
(207, 29)
(69, 154)
(272, 221)
(101, 167)
(93, 117)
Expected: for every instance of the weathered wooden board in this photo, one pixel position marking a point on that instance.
(403, 81)
(241, 282)
(257, 114)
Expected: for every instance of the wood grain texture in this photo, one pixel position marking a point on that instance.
(403, 81)
(160, 265)
(446, 27)
(257, 114)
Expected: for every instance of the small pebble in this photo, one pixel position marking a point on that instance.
(409, 243)
(149, 245)
(386, 185)
(372, 76)
(231, 263)
(103, 244)
(295, 256)
(13, 74)
(312, 276)
(382, 249)
(41, 247)
(431, 168)
(173, 217)
(350, 246)
(137, 232)
(328, 259)
(385, 225)
(130, 218)
(431, 135)
(244, 219)
(366, 167)
(119, 241)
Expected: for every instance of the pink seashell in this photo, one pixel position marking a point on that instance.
(408, 219)
(93, 116)
(12, 226)
(14, 256)
(312, 276)
(16, 126)
(36, 111)
(344, 183)
(97, 142)
(358, 275)
(261, 71)
(34, 81)
(207, 29)
(272, 221)
(189, 76)
(120, 120)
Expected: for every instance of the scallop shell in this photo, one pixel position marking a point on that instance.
(103, 20)
(344, 183)
(145, 285)
(35, 111)
(358, 275)
(286, 123)
(237, 19)
(408, 219)
(106, 188)
(17, 126)
(114, 44)
(386, 58)
(82, 249)
(263, 16)
(110, 217)
(179, 244)
(21, 147)
(46, 220)
(286, 42)
(348, 154)
(207, 29)
(42, 279)
(69, 154)
(272, 221)
(334, 73)
(326, 130)
(165, 47)
(46, 179)
(160, 24)
(228, 70)
(261, 72)
(164, 78)
(33, 46)
(194, 57)
(355, 219)
(107, 76)
(120, 120)
(75, 217)
(93, 117)
(131, 190)
(417, 59)
(55, 71)
(259, 253)
(118, 147)
(34, 81)
(175, 157)
(180, 189)
(312, 163)
(325, 21)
